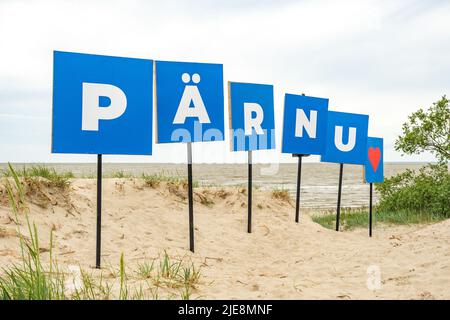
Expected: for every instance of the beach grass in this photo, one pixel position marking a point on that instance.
(153, 180)
(31, 279)
(38, 184)
(120, 175)
(16, 192)
(55, 179)
(359, 218)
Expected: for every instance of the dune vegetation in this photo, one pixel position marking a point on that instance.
(33, 279)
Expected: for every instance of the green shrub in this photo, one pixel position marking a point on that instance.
(425, 191)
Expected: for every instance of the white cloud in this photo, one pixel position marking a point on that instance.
(382, 58)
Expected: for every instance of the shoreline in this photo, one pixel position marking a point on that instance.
(319, 181)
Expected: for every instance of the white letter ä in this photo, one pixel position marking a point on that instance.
(91, 110)
(351, 139)
(249, 122)
(184, 111)
(301, 121)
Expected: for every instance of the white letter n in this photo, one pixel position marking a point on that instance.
(301, 121)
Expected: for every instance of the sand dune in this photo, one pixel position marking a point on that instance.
(279, 260)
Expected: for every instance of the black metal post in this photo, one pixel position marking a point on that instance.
(249, 221)
(370, 210)
(338, 214)
(99, 211)
(299, 180)
(191, 198)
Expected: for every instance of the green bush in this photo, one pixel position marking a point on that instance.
(428, 190)
(425, 191)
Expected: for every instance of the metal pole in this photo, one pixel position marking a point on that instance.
(191, 197)
(99, 211)
(338, 215)
(249, 221)
(370, 210)
(299, 177)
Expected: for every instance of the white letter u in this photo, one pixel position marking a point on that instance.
(351, 139)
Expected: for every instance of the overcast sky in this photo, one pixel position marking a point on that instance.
(381, 58)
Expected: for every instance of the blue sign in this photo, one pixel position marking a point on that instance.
(101, 104)
(373, 168)
(304, 124)
(252, 119)
(346, 138)
(189, 102)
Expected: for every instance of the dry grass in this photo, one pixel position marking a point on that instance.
(281, 194)
(222, 193)
(38, 184)
(205, 197)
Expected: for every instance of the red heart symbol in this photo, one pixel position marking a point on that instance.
(374, 157)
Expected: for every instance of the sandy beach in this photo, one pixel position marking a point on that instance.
(279, 260)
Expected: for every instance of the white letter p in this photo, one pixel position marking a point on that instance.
(91, 110)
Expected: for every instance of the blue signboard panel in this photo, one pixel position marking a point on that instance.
(346, 138)
(252, 119)
(374, 168)
(189, 102)
(304, 124)
(101, 104)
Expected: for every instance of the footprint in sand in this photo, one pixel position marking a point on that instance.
(265, 229)
(254, 287)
